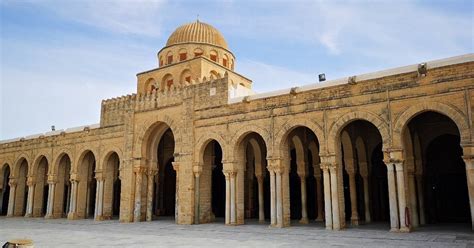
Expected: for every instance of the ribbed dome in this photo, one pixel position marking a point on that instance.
(197, 32)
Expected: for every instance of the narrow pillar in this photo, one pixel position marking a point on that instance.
(72, 210)
(365, 180)
(319, 196)
(149, 194)
(261, 206)
(138, 195)
(227, 198)
(413, 201)
(11, 200)
(402, 203)
(50, 204)
(421, 198)
(197, 198)
(469, 161)
(273, 219)
(279, 198)
(392, 196)
(304, 211)
(327, 196)
(99, 211)
(353, 193)
(233, 217)
(30, 198)
(336, 220)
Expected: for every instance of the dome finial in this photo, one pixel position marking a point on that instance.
(197, 18)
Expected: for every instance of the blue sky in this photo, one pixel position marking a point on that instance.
(59, 59)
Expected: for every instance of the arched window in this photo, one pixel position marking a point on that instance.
(150, 85)
(183, 54)
(232, 64)
(198, 52)
(213, 55)
(167, 81)
(185, 78)
(169, 58)
(161, 60)
(225, 60)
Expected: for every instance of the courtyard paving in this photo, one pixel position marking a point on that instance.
(164, 233)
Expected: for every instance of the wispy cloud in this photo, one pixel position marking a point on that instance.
(141, 17)
(267, 77)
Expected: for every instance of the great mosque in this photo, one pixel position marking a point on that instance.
(195, 143)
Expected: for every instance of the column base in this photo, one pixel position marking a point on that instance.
(404, 229)
(304, 221)
(72, 216)
(99, 218)
(28, 215)
(354, 221)
(319, 219)
(261, 221)
(328, 227)
(49, 216)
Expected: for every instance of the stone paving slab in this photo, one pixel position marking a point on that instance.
(164, 233)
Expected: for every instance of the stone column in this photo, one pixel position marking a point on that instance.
(227, 197)
(51, 194)
(151, 173)
(261, 206)
(72, 206)
(327, 196)
(273, 219)
(336, 220)
(176, 204)
(31, 193)
(304, 212)
(365, 180)
(413, 201)
(319, 195)
(353, 193)
(137, 212)
(197, 170)
(233, 216)
(99, 206)
(469, 161)
(11, 201)
(402, 203)
(279, 197)
(421, 198)
(392, 195)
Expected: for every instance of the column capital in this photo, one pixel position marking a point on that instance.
(99, 175)
(469, 161)
(175, 166)
(139, 169)
(152, 171)
(51, 177)
(13, 182)
(229, 165)
(74, 177)
(230, 172)
(30, 181)
(197, 170)
(327, 166)
(52, 182)
(328, 159)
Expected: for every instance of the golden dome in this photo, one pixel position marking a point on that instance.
(198, 32)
